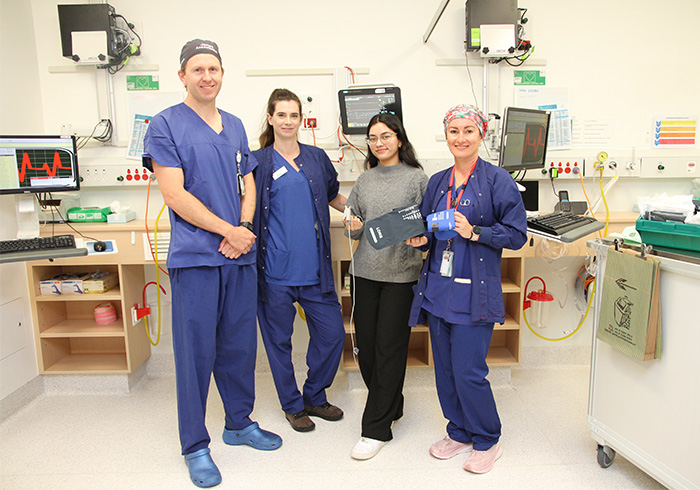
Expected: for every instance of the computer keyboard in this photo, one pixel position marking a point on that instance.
(56, 247)
(37, 244)
(564, 226)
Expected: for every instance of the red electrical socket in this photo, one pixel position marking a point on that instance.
(310, 123)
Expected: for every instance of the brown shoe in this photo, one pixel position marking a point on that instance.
(325, 411)
(300, 421)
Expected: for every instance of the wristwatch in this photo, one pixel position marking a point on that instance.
(476, 231)
(247, 224)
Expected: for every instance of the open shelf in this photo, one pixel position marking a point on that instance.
(113, 294)
(84, 327)
(89, 363)
(505, 343)
(68, 339)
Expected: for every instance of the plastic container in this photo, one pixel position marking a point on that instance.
(670, 235)
(539, 301)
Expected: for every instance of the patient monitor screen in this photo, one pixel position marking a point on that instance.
(38, 164)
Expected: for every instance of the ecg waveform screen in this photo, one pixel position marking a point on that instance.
(35, 166)
(524, 139)
(38, 164)
(534, 143)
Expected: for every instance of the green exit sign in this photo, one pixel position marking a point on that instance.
(142, 82)
(528, 77)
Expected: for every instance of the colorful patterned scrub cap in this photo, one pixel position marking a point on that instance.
(470, 112)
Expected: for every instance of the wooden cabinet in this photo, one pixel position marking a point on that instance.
(505, 343)
(68, 340)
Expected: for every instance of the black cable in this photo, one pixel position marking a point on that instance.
(103, 138)
(471, 81)
(65, 221)
(353, 146)
(551, 179)
(131, 28)
(80, 147)
(523, 20)
(514, 64)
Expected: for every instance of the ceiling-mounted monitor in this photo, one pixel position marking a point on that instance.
(358, 105)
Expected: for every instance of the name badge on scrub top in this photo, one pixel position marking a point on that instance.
(448, 257)
(279, 173)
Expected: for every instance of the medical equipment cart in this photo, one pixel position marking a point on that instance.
(649, 412)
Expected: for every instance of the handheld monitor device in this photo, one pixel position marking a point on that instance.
(524, 139)
(38, 164)
(358, 105)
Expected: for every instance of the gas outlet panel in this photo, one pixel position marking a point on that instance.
(119, 175)
(613, 165)
(671, 167)
(565, 168)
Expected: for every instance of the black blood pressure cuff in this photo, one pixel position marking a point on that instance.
(395, 227)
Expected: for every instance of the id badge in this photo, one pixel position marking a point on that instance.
(241, 185)
(239, 175)
(447, 262)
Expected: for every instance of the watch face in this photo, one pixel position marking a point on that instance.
(476, 230)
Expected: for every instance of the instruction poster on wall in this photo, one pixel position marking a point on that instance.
(675, 132)
(555, 100)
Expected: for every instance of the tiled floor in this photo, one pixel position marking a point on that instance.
(130, 442)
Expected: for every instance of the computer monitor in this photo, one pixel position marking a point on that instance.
(38, 164)
(524, 139)
(358, 105)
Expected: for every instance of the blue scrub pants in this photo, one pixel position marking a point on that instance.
(214, 330)
(327, 337)
(459, 353)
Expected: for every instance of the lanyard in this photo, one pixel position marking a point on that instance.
(450, 202)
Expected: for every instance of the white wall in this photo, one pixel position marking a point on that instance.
(21, 110)
(629, 60)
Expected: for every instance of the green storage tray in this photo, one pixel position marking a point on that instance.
(670, 235)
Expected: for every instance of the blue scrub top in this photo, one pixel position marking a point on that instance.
(178, 137)
(292, 254)
(440, 297)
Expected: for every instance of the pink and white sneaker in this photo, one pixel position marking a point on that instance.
(447, 448)
(482, 461)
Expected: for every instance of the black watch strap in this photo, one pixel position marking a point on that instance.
(247, 224)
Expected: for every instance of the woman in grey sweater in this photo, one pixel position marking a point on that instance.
(383, 279)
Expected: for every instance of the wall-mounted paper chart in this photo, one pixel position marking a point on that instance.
(675, 131)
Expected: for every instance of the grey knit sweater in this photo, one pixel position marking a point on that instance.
(378, 191)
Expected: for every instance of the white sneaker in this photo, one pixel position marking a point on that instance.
(366, 448)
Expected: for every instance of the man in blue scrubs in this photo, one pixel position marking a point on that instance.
(201, 160)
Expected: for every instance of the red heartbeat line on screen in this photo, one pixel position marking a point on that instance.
(534, 141)
(50, 172)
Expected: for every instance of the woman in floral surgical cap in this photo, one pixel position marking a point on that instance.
(459, 293)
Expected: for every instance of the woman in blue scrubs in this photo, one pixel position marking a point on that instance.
(459, 290)
(296, 183)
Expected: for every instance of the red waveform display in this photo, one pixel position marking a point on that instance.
(535, 139)
(39, 169)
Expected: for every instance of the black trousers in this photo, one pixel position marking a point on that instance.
(381, 324)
